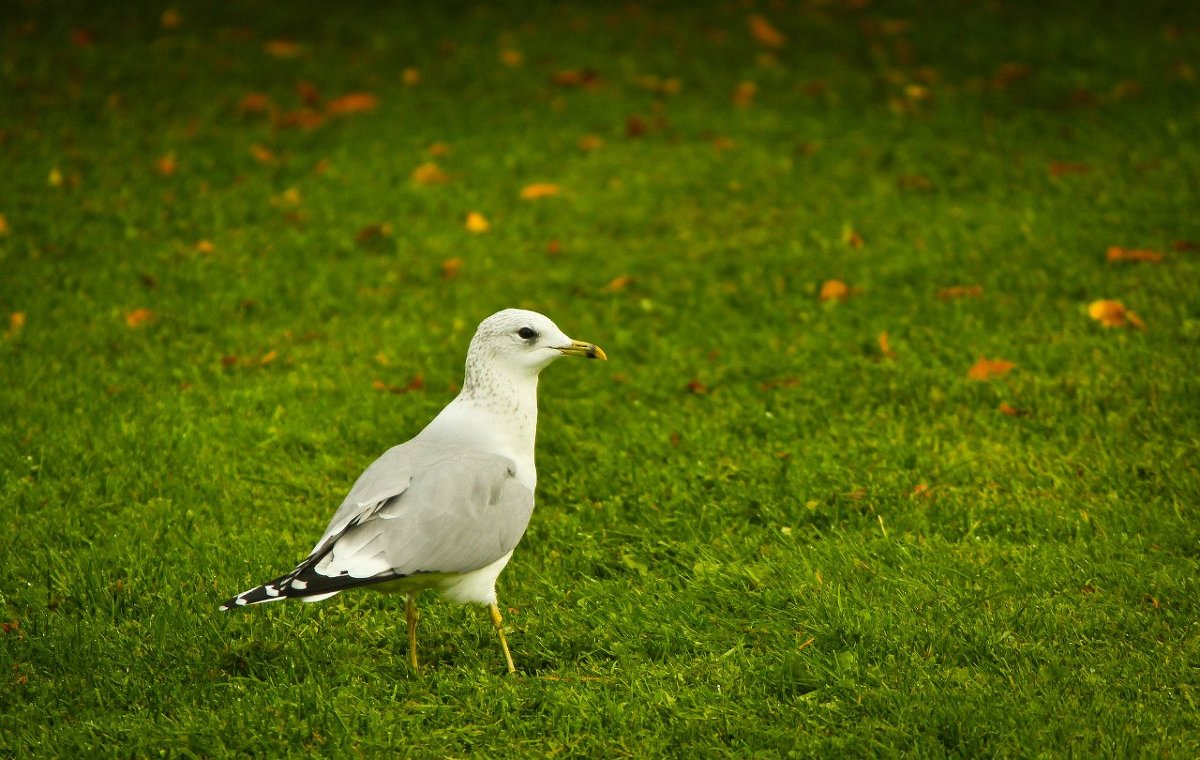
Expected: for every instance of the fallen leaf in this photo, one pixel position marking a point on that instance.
(355, 102)
(1114, 314)
(553, 247)
(543, 190)
(451, 267)
(920, 489)
(138, 317)
(697, 387)
(268, 357)
(55, 177)
(477, 223)
(320, 167)
(82, 38)
(765, 33)
(617, 284)
(1185, 245)
(723, 143)
(281, 48)
(203, 246)
(743, 94)
(262, 154)
(1012, 411)
(302, 118)
(884, 347)
(4, 228)
(415, 384)
(429, 174)
(254, 102)
(1061, 168)
(229, 360)
(576, 78)
(590, 142)
(438, 149)
(1009, 74)
(372, 232)
(832, 290)
(171, 19)
(16, 321)
(960, 291)
(1116, 253)
(915, 182)
(511, 58)
(309, 93)
(635, 127)
(166, 165)
(851, 238)
(858, 494)
(985, 369)
(411, 76)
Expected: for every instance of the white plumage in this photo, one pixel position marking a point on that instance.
(445, 510)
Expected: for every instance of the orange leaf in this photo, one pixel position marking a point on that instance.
(411, 76)
(1116, 253)
(166, 165)
(301, 118)
(203, 246)
(262, 154)
(542, 190)
(765, 33)
(4, 228)
(308, 93)
(476, 223)
(960, 291)
(554, 247)
(282, 48)
(355, 102)
(138, 317)
(920, 489)
(438, 149)
(451, 267)
(743, 94)
(171, 19)
(834, 290)
(697, 387)
(1114, 314)
(1011, 411)
(269, 357)
(884, 347)
(16, 321)
(254, 102)
(851, 238)
(985, 369)
(511, 58)
(429, 174)
(618, 284)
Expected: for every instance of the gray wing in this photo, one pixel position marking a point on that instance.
(460, 510)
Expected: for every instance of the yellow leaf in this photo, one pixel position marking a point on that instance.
(618, 284)
(55, 177)
(884, 347)
(765, 33)
(16, 321)
(960, 291)
(540, 190)
(138, 317)
(1114, 314)
(269, 357)
(411, 76)
(834, 290)
(429, 174)
(203, 246)
(511, 58)
(477, 223)
(985, 369)
(591, 142)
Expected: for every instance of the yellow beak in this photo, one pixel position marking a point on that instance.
(579, 348)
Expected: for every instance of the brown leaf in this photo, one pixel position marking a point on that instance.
(415, 384)
(254, 102)
(308, 93)
(355, 102)
(960, 291)
(429, 174)
(723, 143)
(166, 165)
(743, 94)
(617, 284)
(451, 267)
(576, 78)
(438, 149)
(985, 369)
(635, 127)
(539, 190)
(1185, 245)
(302, 118)
(1114, 314)
(1061, 168)
(262, 154)
(511, 58)
(138, 317)
(16, 321)
(476, 223)
(282, 48)
(171, 19)
(4, 228)
(1116, 253)
(920, 489)
(82, 38)
(697, 387)
(553, 247)
(851, 238)
(1009, 74)
(765, 33)
(373, 232)
(1012, 411)
(915, 182)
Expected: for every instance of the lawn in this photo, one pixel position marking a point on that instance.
(875, 467)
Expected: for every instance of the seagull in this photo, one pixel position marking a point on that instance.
(445, 510)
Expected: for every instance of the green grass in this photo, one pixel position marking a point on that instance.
(743, 571)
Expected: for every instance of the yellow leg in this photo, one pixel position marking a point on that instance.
(412, 615)
(498, 622)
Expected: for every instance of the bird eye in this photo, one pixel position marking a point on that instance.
(527, 333)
